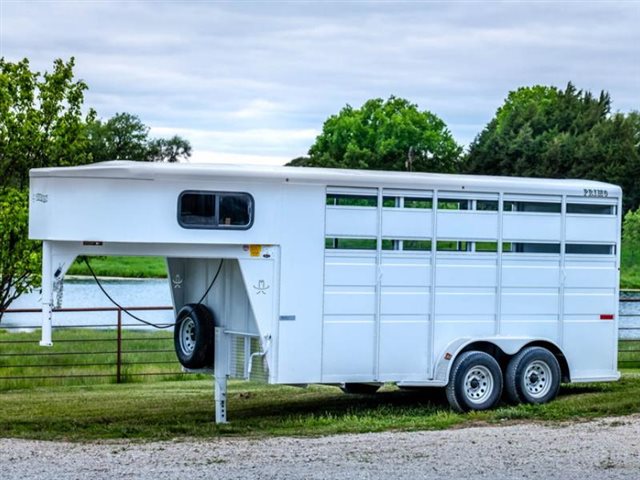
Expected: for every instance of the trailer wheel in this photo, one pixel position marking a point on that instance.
(360, 388)
(193, 336)
(475, 382)
(532, 376)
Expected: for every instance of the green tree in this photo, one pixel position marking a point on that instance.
(41, 125)
(122, 137)
(384, 135)
(631, 231)
(547, 132)
(125, 137)
(170, 150)
(19, 256)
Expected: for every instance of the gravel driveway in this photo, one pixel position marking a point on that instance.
(603, 449)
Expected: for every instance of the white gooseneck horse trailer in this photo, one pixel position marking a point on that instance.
(357, 278)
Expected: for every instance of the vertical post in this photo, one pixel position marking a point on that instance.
(432, 297)
(220, 372)
(378, 289)
(563, 274)
(119, 349)
(47, 295)
(499, 252)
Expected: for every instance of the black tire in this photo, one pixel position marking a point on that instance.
(360, 388)
(475, 382)
(532, 376)
(193, 336)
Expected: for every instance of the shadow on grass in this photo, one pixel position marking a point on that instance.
(333, 402)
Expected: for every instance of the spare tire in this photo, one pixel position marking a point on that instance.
(193, 336)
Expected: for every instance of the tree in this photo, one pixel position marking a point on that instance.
(41, 125)
(300, 162)
(19, 256)
(125, 137)
(170, 150)
(547, 132)
(631, 231)
(122, 137)
(384, 135)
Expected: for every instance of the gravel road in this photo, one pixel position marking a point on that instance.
(603, 449)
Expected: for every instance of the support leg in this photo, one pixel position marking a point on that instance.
(47, 295)
(221, 371)
(221, 399)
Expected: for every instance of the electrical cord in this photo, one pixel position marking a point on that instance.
(135, 317)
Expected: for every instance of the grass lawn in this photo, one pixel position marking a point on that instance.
(173, 405)
(131, 267)
(166, 410)
(77, 352)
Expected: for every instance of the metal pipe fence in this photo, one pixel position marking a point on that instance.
(126, 351)
(119, 351)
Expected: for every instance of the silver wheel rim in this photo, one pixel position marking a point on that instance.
(188, 335)
(537, 379)
(478, 384)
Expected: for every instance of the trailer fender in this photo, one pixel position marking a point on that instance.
(507, 345)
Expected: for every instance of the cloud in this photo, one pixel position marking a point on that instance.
(257, 109)
(260, 78)
(209, 156)
(281, 143)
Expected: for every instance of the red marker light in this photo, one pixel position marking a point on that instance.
(606, 316)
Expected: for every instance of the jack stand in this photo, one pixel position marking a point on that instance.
(221, 372)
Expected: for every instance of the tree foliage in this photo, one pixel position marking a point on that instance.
(41, 123)
(125, 137)
(384, 135)
(19, 257)
(631, 230)
(170, 150)
(547, 132)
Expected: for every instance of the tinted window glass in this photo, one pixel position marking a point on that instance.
(591, 209)
(215, 210)
(540, 207)
(589, 249)
(235, 210)
(198, 209)
(535, 247)
(487, 205)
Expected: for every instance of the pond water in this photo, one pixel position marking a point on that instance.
(156, 292)
(85, 293)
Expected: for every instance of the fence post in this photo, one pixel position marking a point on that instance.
(119, 349)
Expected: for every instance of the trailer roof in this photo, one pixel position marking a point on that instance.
(121, 169)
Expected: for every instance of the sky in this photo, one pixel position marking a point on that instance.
(253, 82)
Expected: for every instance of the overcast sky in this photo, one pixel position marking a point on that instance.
(254, 81)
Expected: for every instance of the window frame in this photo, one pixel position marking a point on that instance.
(217, 225)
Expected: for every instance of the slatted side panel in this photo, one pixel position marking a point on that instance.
(590, 297)
(465, 297)
(349, 316)
(405, 299)
(530, 295)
